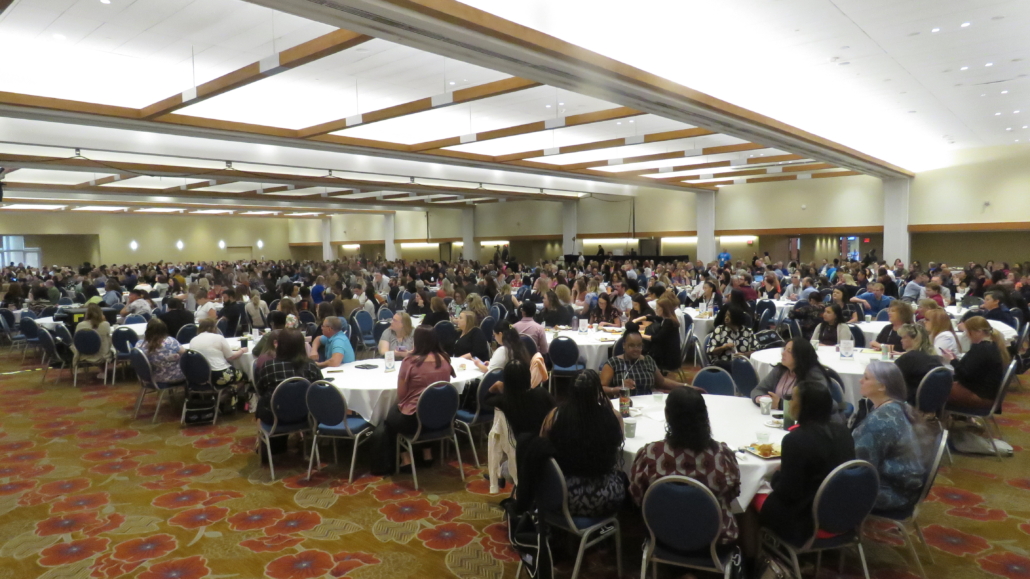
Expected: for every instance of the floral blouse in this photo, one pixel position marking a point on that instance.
(887, 439)
(743, 339)
(165, 361)
(715, 467)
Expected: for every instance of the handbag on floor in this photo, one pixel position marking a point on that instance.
(529, 535)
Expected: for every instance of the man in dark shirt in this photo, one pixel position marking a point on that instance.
(232, 310)
(176, 317)
(808, 314)
(995, 310)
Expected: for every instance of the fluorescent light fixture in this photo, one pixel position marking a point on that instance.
(260, 244)
(179, 245)
(133, 245)
(418, 245)
(737, 238)
(989, 64)
(680, 239)
(260, 213)
(99, 208)
(936, 30)
(221, 244)
(302, 214)
(351, 246)
(965, 24)
(498, 242)
(211, 211)
(964, 68)
(613, 241)
(36, 207)
(158, 210)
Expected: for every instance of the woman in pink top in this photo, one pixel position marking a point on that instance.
(426, 365)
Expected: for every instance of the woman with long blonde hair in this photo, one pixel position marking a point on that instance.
(942, 334)
(978, 374)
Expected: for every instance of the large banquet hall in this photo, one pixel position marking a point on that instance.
(299, 289)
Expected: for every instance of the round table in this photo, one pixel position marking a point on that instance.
(850, 370)
(872, 329)
(702, 326)
(372, 392)
(734, 421)
(593, 345)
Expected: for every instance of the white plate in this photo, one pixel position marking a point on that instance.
(774, 424)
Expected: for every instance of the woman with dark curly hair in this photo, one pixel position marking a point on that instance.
(689, 450)
(586, 433)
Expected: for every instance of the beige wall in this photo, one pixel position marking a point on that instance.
(517, 218)
(156, 235)
(956, 194)
(836, 202)
(66, 249)
(961, 248)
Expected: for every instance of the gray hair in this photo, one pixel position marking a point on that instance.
(918, 335)
(335, 323)
(890, 376)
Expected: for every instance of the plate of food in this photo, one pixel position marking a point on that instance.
(611, 330)
(766, 451)
(562, 328)
(774, 423)
(607, 339)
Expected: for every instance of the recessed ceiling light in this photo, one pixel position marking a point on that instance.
(1015, 112)
(989, 64)
(965, 24)
(1025, 126)
(158, 210)
(105, 1)
(561, 104)
(618, 122)
(452, 83)
(36, 207)
(984, 94)
(631, 120)
(936, 30)
(302, 214)
(997, 114)
(211, 211)
(964, 68)
(1008, 128)
(548, 106)
(99, 208)
(1004, 92)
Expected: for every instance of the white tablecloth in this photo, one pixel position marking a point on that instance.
(372, 392)
(734, 421)
(850, 370)
(593, 345)
(702, 326)
(47, 323)
(872, 329)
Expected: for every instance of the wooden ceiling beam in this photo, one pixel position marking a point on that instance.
(103, 181)
(665, 156)
(570, 121)
(460, 96)
(608, 144)
(299, 55)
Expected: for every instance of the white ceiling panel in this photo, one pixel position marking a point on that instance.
(50, 177)
(694, 144)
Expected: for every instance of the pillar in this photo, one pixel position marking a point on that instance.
(327, 236)
(569, 227)
(469, 247)
(706, 243)
(896, 239)
(389, 236)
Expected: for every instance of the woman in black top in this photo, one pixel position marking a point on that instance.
(978, 374)
(663, 344)
(899, 313)
(737, 299)
(290, 360)
(604, 313)
(810, 452)
(472, 340)
(642, 311)
(524, 407)
(554, 313)
(437, 314)
(418, 304)
(919, 357)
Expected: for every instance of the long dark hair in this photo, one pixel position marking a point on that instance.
(645, 308)
(586, 433)
(838, 312)
(805, 358)
(426, 343)
(290, 348)
(518, 380)
(156, 333)
(816, 403)
(512, 342)
(686, 420)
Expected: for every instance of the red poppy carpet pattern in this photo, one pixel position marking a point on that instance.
(86, 492)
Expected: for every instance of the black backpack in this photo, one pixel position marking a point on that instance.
(529, 535)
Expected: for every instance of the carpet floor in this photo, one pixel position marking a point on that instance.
(86, 491)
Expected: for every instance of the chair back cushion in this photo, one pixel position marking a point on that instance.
(141, 365)
(46, 341)
(186, 334)
(195, 367)
(682, 513)
(934, 390)
(857, 335)
(385, 314)
(563, 351)
(28, 326)
(379, 329)
(551, 493)
(715, 380)
(437, 406)
(289, 400)
(845, 497)
(529, 344)
(124, 339)
(87, 342)
(364, 321)
(326, 403)
(744, 374)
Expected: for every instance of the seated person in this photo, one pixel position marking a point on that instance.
(688, 449)
(554, 313)
(798, 363)
(808, 313)
(979, 372)
(899, 313)
(604, 313)
(833, 330)
(163, 352)
(218, 353)
(438, 312)
(338, 349)
(176, 317)
(137, 304)
(733, 337)
(919, 358)
(633, 369)
(472, 339)
(891, 437)
(290, 361)
(398, 338)
(873, 300)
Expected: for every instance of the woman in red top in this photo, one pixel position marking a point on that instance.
(426, 365)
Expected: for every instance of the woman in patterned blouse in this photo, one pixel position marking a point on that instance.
(733, 337)
(891, 437)
(689, 450)
(632, 368)
(162, 352)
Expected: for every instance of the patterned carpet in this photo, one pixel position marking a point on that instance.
(85, 491)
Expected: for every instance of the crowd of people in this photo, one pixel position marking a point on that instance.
(583, 431)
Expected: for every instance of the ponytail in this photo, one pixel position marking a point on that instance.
(1003, 349)
(512, 342)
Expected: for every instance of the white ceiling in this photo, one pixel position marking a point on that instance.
(869, 74)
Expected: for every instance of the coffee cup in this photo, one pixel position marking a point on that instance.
(765, 404)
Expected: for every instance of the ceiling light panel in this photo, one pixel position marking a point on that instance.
(372, 76)
(498, 112)
(29, 206)
(238, 187)
(211, 211)
(143, 50)
(100, 208)
(692, 144)
(641, 125)
(158, 210)
(52, 177)
(147, 182)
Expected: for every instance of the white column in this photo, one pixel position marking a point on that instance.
(706, 242)
(896, 239)
(569, 226)
(327, 237)
(388, 237)
(469, 247)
